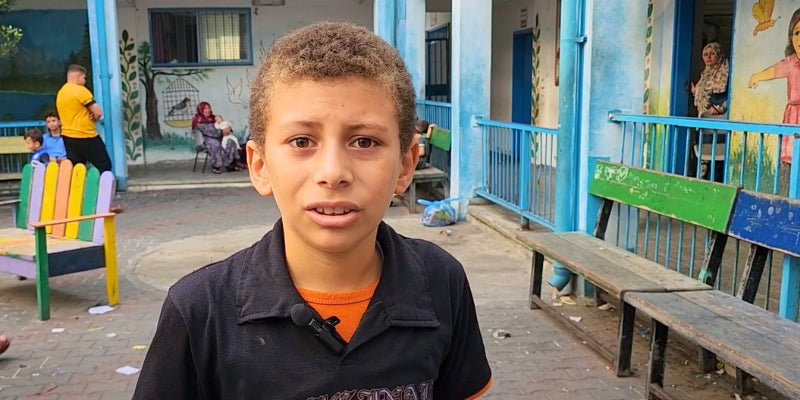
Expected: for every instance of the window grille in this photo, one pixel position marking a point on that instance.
(202, 36)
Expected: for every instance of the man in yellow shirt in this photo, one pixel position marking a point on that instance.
(79, 112)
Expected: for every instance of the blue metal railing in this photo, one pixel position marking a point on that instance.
(435, 112)
(734, 152)
(13, 163)
(519, 169)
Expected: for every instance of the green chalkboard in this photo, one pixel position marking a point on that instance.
(703, 203)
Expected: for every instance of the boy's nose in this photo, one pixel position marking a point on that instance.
(333, 167)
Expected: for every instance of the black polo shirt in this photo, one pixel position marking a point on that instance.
(225, 332)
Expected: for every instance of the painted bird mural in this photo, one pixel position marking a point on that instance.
(179, 107)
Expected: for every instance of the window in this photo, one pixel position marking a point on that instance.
(200, 36)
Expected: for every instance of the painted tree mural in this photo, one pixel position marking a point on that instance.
(148, 77)
(131, 104)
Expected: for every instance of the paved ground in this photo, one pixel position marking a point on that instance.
(165, 234)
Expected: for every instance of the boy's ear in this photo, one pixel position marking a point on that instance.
(407, 166)
(257, 167)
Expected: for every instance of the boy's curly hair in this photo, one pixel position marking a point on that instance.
(327, 51)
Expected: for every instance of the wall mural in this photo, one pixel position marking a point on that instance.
(764, 88)
(161, 129)
(52, 40)
(131, 103)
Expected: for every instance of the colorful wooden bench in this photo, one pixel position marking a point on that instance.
(440, 150)
(614, 270)
(721, 324)
(61, 225)
(756, 341)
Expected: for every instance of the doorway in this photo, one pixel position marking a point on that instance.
(697, 22)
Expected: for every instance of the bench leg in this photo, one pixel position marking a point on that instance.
(713, 258)
(751, 276)
(537, 270)
(627, 316)
(658, 346)
(42, 274)
(110, 248)
(707, 360)
(743, 386)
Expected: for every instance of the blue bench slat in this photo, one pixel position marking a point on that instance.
(768, 220)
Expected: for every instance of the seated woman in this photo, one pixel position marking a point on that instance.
(221, 156)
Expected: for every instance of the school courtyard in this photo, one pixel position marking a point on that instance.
(164, 234)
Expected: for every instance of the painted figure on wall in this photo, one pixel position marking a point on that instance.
(788, 68)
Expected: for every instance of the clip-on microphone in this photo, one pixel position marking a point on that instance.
(325, 331)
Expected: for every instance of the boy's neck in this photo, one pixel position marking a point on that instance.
(332, 273)
(55, 132)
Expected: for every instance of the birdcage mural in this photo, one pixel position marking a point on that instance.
(179, 99)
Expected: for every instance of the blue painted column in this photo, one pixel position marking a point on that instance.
(400, 27)
(414, 54)
(790, 270)
(102, 16)
(570, 115)
(384, 20)
(595, 49)
(472, 60)
(612, 48)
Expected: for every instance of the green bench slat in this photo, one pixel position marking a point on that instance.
(90, 192)
(24, 197)
(682, 198)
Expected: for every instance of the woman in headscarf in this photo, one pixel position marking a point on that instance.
(204, 121)
(711, 99)
(711, 90)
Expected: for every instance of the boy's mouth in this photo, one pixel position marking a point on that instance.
(332, 210)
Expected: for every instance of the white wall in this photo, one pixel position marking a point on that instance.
(506, 19)
(227, 88)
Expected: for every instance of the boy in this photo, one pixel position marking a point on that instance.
(332, 303)
(34, 140)
(53, 142)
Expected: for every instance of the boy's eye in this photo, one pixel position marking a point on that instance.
(365, 143)
(301, 142)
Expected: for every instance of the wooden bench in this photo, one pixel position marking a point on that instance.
(756, 341)
(616, 271)
(12, 146)
(439, 143)
(61, 225)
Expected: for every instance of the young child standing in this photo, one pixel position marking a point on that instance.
(53, 142)
(332, 302)
(35, 142)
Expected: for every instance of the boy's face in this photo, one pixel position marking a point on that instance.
(227, 131)
(332, 160)
(52, 123)
(32, 146)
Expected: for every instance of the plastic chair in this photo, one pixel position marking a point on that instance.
(200, 147)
